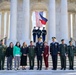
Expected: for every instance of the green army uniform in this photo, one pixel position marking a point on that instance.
(2, 56)
(63, 52)
(31, 54)
(71, 50)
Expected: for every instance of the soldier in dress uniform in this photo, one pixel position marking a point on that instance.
(39, 53)
(34, 34)
(54, 48)
(38, 32)
(2, 54)
(31, 54)
(71, 50)
(63, 53)
(44, 32)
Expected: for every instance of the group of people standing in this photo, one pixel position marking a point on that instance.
(40, 50)
(37, 33)
(64, 51)
(20, 53)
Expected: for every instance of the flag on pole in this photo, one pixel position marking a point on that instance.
(43, 19)
(37, 17)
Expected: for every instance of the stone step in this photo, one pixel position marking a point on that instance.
(50, 62)
(43, 67)
(37, 72)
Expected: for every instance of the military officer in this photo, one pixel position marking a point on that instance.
(63, 53)
(31, 54)
(39, 32)
(39, 53)
(54, 47)
(2, 54)
(71, 50)
(44, 32)
(34, 34)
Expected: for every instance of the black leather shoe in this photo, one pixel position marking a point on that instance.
(61, 68)
(64, 68)
(37, 68)
(72, 68)
(40, 69)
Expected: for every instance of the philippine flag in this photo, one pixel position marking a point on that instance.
(43, 19)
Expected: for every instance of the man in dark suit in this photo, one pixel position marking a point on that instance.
(39, 53)
(38, 32)
(34, 34)
(44, 32)
(54, 47)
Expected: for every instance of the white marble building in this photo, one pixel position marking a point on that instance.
(16, 19)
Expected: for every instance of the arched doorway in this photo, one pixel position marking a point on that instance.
(35, 10)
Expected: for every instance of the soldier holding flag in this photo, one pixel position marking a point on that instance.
(38, 32)
(44, 32)
(34, 34)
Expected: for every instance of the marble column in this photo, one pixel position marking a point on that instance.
(52, 21)
(7, 27)
(26, 21)
(47, 26)
(74, 26)
(13, 20)
(2, 25)
(64, 20)
(69, 23)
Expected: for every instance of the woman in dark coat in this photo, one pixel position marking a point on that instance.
(9, 55)
(24, 50)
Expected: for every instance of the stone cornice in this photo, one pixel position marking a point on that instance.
(5, 5)
(4, 0)
(72, 11)
(39, 0)
(38, 5)
(71, 0)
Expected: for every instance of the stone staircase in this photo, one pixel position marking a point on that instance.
(50, 63)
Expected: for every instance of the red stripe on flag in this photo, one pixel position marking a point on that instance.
(38, 23)
(43, 22)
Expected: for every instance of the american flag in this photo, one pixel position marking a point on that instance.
(38, 23)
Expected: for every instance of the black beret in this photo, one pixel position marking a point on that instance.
(70, 41)
(31, 41)
(1, 40)
(62, 39)
(53, 37)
